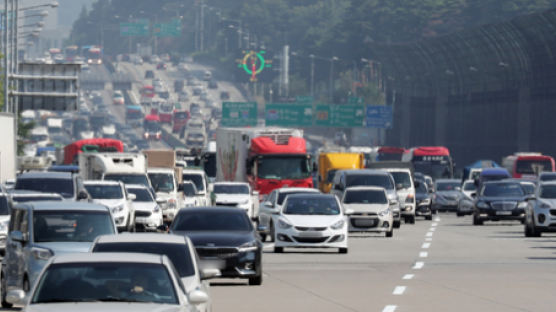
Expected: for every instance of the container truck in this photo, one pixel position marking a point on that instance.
(267, 158)
(329, 163)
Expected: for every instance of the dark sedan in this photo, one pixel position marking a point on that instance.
(500, 200)
(224, 239)
(423, 200)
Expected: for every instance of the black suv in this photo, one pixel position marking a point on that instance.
(67, 184)
(500, 200)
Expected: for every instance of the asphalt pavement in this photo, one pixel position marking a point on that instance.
(442, 265)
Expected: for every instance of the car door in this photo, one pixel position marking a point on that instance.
(266, 209)
(14, 260)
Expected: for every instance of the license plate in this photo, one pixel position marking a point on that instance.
(213, 264)
(310, 234)
(503, 213)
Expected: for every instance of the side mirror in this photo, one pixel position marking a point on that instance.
(132, 197)
(162, 228)
(15, 296)
(198, 297)
(274, 211)
(530, 197)
(268, 204)
(349, 212)
(473, 195)
(82, 195)
(17, 236)
(255, 193)
(210, 273)
(399, 186)
(160, 201)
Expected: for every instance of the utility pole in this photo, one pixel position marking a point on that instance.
(202, 28)
(5, 52)
(331, 81)
(312, 57)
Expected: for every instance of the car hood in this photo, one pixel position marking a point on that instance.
(366, 207)
(421, 196)
(216, 239)
(190, 283)
(60, 248)
(109, 202)
(448, 193)
(104, 306)
(500, 199)
(312, 220)
(231, 198)
(144, 206)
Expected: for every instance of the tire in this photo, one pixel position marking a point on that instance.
(343, 250)
(476, 220)
(390, 233)
(272, 234)
(256, 280)
(527, 231)
(429, 217)
(412, 220)
(397, 224)
(530, 231)
(459, 214)
(263, 237)
(5, 304)
(278, 249)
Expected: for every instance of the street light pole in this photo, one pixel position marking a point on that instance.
(5, 52)
(331, 81)
(312, 57)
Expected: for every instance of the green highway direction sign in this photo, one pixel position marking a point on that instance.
(239, 114)
(339, 115)
(289, 114)
(134, 29)
(172, 29)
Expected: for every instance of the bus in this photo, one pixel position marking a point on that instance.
(71, 151)
(93, 55)
(71, 52)
(388, 153)
(528, 165)
(434, 161)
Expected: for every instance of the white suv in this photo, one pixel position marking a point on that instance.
(371, 210)
(406, 192)
(114, 195)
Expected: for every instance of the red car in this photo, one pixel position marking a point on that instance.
(161, 66)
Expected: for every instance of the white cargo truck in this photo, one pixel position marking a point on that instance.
(130, 168)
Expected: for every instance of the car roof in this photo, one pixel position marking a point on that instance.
(231, 183)
(501, 182)
(469, 181)
(548, 183)
(297, 189)
(101, 182)
(193, 170)
(364, 171)
(64, 205)
(25, 193)
(45, 174)
(448, 181)
(365, 188)
(212, 209)
(547, 173)
(108, 257)
(310, 195)
(142, 238)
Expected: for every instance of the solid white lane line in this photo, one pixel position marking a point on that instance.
(418, 265)
(428, 239)
(423, 254)
(389, 308)
(399, 290)
(426, 245)
(408, 276)
(429, 234)
(434, 224)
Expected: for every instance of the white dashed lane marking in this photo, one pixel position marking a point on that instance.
(408, 276)
(389, 308)
(423, 254)
(418, 265)
(426, 245)
(399, 290)
(429, 234)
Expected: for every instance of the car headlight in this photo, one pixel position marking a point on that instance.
(42, 253)
(172, 203)
(393, 202)
(522, 205)
(384, 212)
(338, 225)
(247, 247)
(245, 202)
(156, 208)
(117, 208)
(4, 226)
(425, 201)
(409, 199)
(283, 224)
(544, 206)
(482, 205)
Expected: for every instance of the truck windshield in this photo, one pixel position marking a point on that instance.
(70, 226)
(209, 164)
(128, 178)
(380, 180)
(402, 178)
(435, 170)
(63, 187)
(231, 189)
(529, 166)
(197, 179)
(151, 126)
(283, 167)
(162, 182)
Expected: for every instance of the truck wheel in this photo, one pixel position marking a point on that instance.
(397, 224)
(390, 233)
(412, 220)
(477, 220)
(263, 237)
(3, 293)
(272, 234)
(429, 217)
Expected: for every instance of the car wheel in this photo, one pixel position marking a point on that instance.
(263, 237)
(256, 281)
(397, 224)
(5, 304)
(429, 217)
(272, 234)
(530, 230)
(343, 250)
(390, 233)
(476, 220)
(278, 249)
(412, 220)
(459, 214)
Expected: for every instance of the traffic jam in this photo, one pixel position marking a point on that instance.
(104, 181)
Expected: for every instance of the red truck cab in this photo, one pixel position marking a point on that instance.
(180, 120)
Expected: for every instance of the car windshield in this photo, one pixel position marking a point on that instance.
(231, 189)
(162, 182)
(4, 205)
(283, 167)
(528, 188)
(548, 191)
(197, 179)
(421, 187)
(189, 189)
(178, 253)
(529, 166)
(209, 221)
(63, 187)
(380, 180)
(503, 190)
(548, 177)
(105, 282)
(282, 195)
(141, 194)
(365, 197)
(70, 226)
(447, 186)
(311, 206)
(209, 164)
(402, 178)
(29, 198)
(98, 191)
(330, 175)
(128, 178)
(469, 186)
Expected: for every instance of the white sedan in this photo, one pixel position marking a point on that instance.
(235, 194)
(370, 209)
(143, 282)
(311, 220)
(113, 195)
(148, 214)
